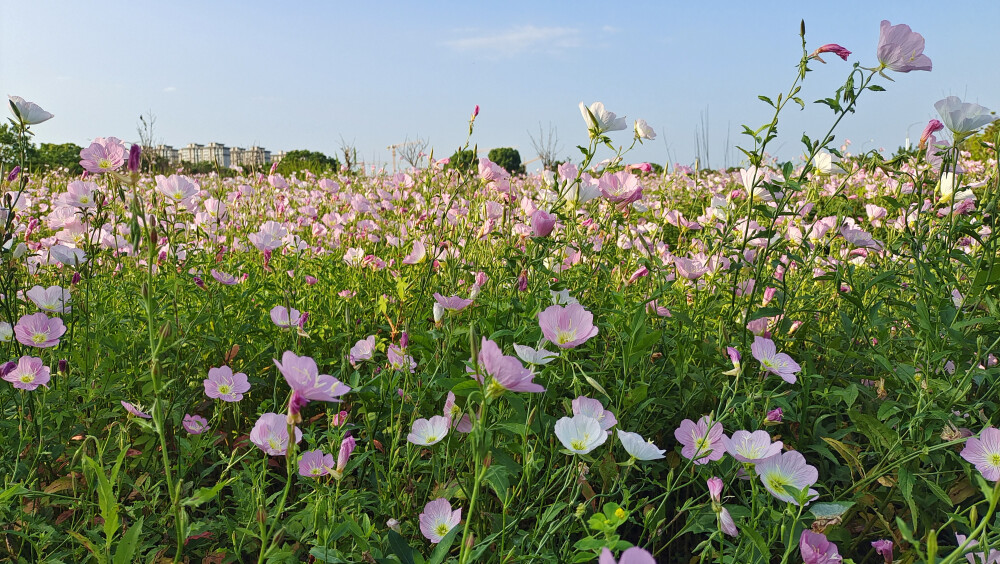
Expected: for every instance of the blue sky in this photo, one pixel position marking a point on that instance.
(312, 75)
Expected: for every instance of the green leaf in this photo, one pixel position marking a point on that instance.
(829, 510)
(206, 494)
(906, 481)
(442, 548)
(398, 546)
(125, 552)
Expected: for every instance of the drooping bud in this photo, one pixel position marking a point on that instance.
(14, 173)
(933, 126)
(715, 489)
(134, 157)
(63, 366)
(404, 340)
(346, 448)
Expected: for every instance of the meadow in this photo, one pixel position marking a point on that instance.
(785, 362)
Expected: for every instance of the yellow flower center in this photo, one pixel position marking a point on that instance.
(27, 378)
(273, 443)
(777, 483)
(441, 529)
(225, 389)
(563, 337)
(431, 439)
(577, 444)
(39, 338)
(177, 196)
(994, 459)
(84, 200)
(104, 163)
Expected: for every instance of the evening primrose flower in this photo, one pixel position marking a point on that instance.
(134, 410)
(534, 356)
(643, 130)
(6, 332)
(53, 299)
(103, 155)
(634, 555)
(427, 432)
(39, 331)
(779, 364)
(347, 445)
(567, 327)
(702, 441)
(726, 523)
(507, 372)
(580, 433)
(750, 447)
(962, 118)
(452, 303)
(639, 448)
(438, 519)
(599, 120)
(284, 317)
(194, 424)
(594, 408)
(883, 548)
(270, 434)
(817, 549)
(307, 384)
(362, 350)
(984, 453)
(830, 48)
(900, 49)
(28, 113)
(315, 463)
(223, 384)
(29, 373)
(787, 469)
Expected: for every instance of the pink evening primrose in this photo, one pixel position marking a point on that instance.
(39, 331)
(984, 453)
(315, 463)
(223, 384)
(702, 441)
(284, 317)
(270, 434)
(135, 410)
(787, 469)
(427, 432)
(194, 424)
(507, 372)
(103, 155)
(594, 408)
(817, 549)
(580, 433)
(347, 445)
(567, 327)
(634, 555)
(307, 384)
(452, 303)
(901, 49)
(438, 518)
(53, 299)
(779, 364)
(726, 523)
(29, 373)
(751, 448)
(362, 350)
(451, 412)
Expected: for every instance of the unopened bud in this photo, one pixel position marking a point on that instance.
(63, 366)
(17, 170)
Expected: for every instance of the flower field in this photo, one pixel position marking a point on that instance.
(785, 362)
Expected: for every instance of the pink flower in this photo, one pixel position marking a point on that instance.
(427, 432)
(39, 331)
(135, 410)
(270, 434)
(750, 447)
(771, 361)
(346, 448)
(103, 155)
(451, 411)
(984, 453)
(315, 463)
(307, 384)
(507, 372)
(223, 278)
(268, 237)
(900, 49)
(816, 549)
(830, 48)
(883, 548)
(933, 126)
(787, 469)
(621, 187)
(53, 299)
(542, 223)
(438, 518)
(775, 415)
(81, 194)
(634, 555)
(978, 557)
(702, 442)
(726, 523)
(594, 408)
(362, 350)
(194, 424)
(28, 374)
(178, 189)
(567, 327)
(284, 317)
(224, 385)
(452, 303)
(399, 360)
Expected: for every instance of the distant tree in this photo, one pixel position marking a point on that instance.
(207, 167)
(412, 152)
(315, 162)
(350, 154)
(67, 155)
(463, 160)
(508, 158)
(10, 153)
(147, 140)
(547, 146)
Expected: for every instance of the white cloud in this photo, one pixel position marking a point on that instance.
(519, 39)
(170, 89)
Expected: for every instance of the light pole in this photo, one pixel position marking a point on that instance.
(908, 128)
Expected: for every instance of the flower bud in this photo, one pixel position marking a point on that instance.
(63, 366)
(134, 157)
(438, 313)
(14, 173)
(715, 489)
(404, 340)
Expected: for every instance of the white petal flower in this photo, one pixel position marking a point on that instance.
(580, 433)
(638, 447)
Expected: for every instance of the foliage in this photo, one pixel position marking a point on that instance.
(509, 159)
(464, 160)
(312, 161)
(65, 155)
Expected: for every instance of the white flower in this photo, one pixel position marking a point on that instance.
(962, 118)
(580, 433)
(823, 164)
(533, 356)
(643, 131)
(6, 332)
(638, 447)
(562, 298)
(947, 188)
(427, 432)
(66, 255)
(600, 120)
(30, 112)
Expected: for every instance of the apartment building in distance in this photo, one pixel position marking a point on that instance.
(218, 153)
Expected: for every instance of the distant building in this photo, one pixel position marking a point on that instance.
(167, 152)
(192, 153)
(277, 156)
(253, 156)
